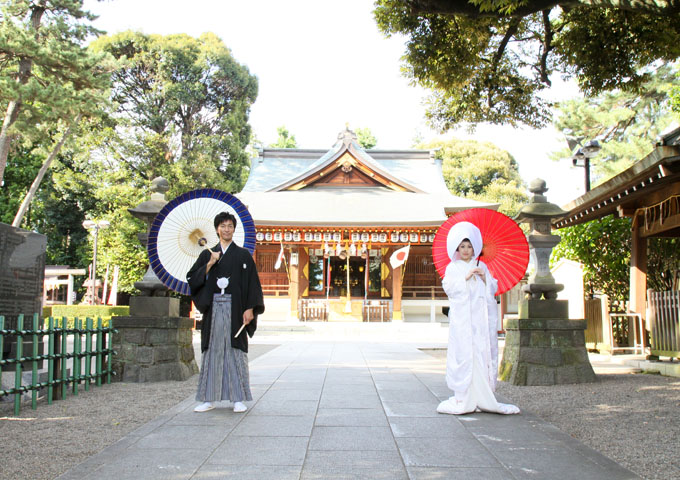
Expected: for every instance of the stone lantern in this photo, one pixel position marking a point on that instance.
(150, 285)
(154, 343)
(543, 346)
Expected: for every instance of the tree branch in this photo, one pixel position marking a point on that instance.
(463, 7)
(547, 47)
(38, 178)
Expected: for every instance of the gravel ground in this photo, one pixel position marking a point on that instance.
(631, 418)
(44, 443)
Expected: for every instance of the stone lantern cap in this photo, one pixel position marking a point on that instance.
(148, 210)
(538, 206)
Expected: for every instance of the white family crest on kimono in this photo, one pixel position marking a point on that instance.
(472, 356)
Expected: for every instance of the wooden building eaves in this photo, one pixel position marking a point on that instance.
(624, 193)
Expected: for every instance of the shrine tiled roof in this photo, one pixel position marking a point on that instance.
(277, 194)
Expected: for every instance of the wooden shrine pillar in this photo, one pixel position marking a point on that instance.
(294, 285)
(396, 294)
(638, 272)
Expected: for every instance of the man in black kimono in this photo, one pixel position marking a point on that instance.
(225, 287)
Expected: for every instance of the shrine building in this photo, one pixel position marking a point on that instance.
(338, 215)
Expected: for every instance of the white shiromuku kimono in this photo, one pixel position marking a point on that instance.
(472, 356)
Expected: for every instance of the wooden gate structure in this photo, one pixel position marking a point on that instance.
(664, 321)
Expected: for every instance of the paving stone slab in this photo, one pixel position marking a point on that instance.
(299, 385)
(443, 426)
(394, 384)
(349, 400)
(283, 395)
(151, 464)
(462, 451)
(370, 459)
(352, 438)
(255, 472)
(351, 417)
(514, 436)
(274, 426)
(290, 407)
(452, 473)
(172, 436)
(347, 380)
(356, 389)
(260, 451)
(401, 409)
(353, 473)
(556, 462)
(414, 395)
(223, 415)
(151, 425)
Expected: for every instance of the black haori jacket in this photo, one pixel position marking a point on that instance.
(244, 286)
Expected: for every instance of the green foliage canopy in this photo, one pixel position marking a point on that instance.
(489, 61)
(285, 139)
(603, 248)
(47, 75)
(182, 110)
(481, 171)
(365, 138)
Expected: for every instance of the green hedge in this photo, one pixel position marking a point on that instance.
(82, 312)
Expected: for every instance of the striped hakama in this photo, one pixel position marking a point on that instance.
(224, 370)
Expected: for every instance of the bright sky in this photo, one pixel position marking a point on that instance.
(324, 64)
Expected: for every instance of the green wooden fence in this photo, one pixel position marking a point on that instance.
(58, 377)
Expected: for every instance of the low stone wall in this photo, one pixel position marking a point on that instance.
(153, 349)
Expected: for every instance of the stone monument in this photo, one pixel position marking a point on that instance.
(542, 345)
(22, 270)
(154, 343)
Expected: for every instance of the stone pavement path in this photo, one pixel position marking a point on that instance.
(341, 410)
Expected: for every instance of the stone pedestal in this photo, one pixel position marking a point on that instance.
(153, 349)
(154, 307)
(544, 347)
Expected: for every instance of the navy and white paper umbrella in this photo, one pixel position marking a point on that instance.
(184, 228)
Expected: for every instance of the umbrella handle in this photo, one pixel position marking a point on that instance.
(240, 330)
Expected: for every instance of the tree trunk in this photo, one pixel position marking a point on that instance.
(5, 139)
(38, 178)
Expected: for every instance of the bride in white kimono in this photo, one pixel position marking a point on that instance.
(472, 357)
